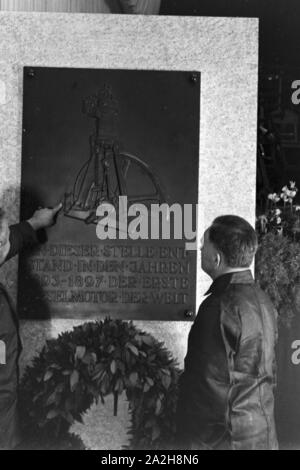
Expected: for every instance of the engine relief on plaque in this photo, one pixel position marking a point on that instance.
(120, 150)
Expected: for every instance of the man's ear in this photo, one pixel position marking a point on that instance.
(217, 259)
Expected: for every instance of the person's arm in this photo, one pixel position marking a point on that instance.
(23, 235)
(20, 236)
(248, 339)
(231, 330)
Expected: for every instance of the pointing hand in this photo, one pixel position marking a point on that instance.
(43, 218)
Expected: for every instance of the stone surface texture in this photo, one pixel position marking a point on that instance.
(224, 50)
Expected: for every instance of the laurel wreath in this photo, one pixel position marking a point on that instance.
(87, 364)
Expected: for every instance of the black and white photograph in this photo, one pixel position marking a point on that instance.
(149, 227)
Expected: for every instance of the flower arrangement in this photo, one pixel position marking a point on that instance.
(277, 270)
(277, 263)
(282, 216)
(88, 363)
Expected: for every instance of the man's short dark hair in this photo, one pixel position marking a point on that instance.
(235, 238)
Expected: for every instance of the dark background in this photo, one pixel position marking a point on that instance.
(279, 23)
(279, 66)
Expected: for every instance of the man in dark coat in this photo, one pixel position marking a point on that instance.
(12, 240)
(226, 398)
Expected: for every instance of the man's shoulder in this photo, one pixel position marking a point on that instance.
(240, 293)
(247, 301)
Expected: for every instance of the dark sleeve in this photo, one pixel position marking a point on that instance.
(250, 397)
(21, 236)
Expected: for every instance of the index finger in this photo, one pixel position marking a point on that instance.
(57, 208)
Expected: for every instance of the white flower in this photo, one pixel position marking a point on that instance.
(297, 208)
(263, 220)
(292, 184)
(273, 197)
(277, 212)
(285, 189)
(278, 220)
(289, 193)
(284, 197)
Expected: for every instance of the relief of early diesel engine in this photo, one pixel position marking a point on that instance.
(96, 139)
(109, 172)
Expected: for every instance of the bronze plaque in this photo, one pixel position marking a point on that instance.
(89, 137)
